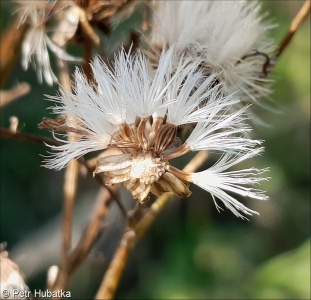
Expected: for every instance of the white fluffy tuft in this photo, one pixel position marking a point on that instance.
(222, 131)
(218, 181)
(119, 96)
(36, 42)
(224, 34)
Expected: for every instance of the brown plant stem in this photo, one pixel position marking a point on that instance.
(70, 190)
(7, 96)
(295, 24)
(12, 38)
(111, 190)
(88, 30)
(87, 60)
(92, 231)
(7, 133)
(132, 235)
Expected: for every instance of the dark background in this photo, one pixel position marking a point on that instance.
(191, 251)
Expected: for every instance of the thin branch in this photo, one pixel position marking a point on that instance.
(71, 262)
(132, 235)
(7, 96)
(92, 231)
(112, 192)
(94, 227)
(7, 133)
(70, 190)
(88, 29)
(11, 39)
(87, 61)
(296, 23)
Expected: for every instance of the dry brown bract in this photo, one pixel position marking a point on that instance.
(85, 15)
(144, 166)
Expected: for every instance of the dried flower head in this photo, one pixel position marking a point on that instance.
(36, 41)
(11, 278)
(229, 37)
(78, 19)
(140, 113)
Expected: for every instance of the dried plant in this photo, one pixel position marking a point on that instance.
(185, 85)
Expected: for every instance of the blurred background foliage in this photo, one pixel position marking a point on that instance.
(191, 251)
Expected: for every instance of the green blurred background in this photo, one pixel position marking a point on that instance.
(192, 251)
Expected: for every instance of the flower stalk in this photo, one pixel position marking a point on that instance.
(132, 235)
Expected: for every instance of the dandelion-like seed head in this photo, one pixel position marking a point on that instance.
(230, 37)
(142, 114)
(36, 41)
